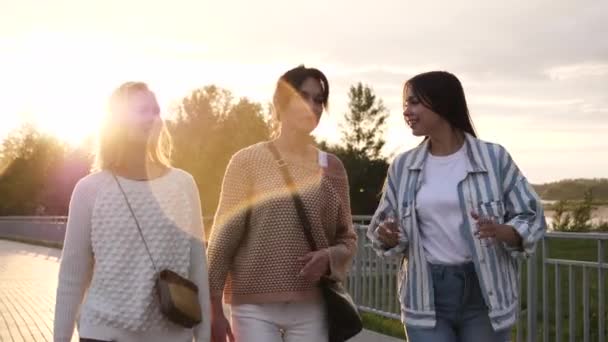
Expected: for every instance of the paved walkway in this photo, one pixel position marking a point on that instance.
(28, 279)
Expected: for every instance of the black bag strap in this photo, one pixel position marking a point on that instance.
(306, 226)
(136, 221)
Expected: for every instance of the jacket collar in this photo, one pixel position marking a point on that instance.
(473, 148)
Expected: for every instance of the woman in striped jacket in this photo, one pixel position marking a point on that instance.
(459, 212)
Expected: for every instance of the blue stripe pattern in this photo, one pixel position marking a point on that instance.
(494, 186)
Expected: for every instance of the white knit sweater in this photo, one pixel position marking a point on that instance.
(104, 257)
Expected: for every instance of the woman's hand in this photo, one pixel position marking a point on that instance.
(316, 265)
(487, 228)
(220, 328)
(388, 233)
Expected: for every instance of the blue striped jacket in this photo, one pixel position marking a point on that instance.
(493, 186)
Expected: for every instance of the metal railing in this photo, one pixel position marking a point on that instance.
(582, 276)
(373, 282)
(566, 268)
(47, 229)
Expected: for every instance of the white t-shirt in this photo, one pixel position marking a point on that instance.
(438, 209)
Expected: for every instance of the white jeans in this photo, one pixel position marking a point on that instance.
(303, 321)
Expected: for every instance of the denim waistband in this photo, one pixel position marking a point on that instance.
(467, 268)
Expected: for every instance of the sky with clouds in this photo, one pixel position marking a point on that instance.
(535, 72)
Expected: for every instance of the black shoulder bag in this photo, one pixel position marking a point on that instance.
(342, 313)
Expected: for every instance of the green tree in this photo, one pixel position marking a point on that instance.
(29, 158)
(362, 142)
(581, 214)
(208, 128)
(62, 177)
(575, 216)
(366, 178)
(561, 217)
(364, 122)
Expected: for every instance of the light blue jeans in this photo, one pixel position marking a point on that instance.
(461, 312)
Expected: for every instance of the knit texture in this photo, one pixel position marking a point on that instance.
(257, 236)
(105, 248)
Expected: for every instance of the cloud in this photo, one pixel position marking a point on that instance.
(535, 67)
(578, 71)
(522, 102)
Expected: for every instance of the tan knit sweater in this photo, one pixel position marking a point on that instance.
(258, 261)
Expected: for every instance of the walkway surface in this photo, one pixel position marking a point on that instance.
(28, 279)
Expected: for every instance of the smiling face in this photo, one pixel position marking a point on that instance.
(421, 119)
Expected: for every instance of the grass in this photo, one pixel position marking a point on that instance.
(383, 325)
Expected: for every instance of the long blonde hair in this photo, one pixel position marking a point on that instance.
(112, 141)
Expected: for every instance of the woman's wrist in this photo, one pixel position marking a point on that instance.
(509, 235)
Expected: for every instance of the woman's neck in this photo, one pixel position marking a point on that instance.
(136, 165)
(446, 143)
(294, 143)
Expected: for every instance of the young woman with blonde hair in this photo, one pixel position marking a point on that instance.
(133, 216)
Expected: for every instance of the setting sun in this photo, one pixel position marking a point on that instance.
(59, 64)
(61, 81)
(53, 91)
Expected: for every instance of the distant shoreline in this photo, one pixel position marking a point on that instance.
(598, 215)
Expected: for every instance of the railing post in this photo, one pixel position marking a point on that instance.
(572, 304)
(586, 307)
(545, 255)
(531, 293)
(519, 330)
(601, 256)
(358, 265)
(558, 304)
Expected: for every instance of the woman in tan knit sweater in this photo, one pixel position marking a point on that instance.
(259, 258)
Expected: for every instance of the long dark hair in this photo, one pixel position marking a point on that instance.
(289, 83)
(442, 92)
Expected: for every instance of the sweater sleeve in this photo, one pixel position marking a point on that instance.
(230, 222)
(76, 264)
(198, 265)
(344, 248)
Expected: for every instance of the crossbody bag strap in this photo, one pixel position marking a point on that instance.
(306, 226)
(141, 234)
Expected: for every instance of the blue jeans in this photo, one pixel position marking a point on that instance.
(461, 312)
